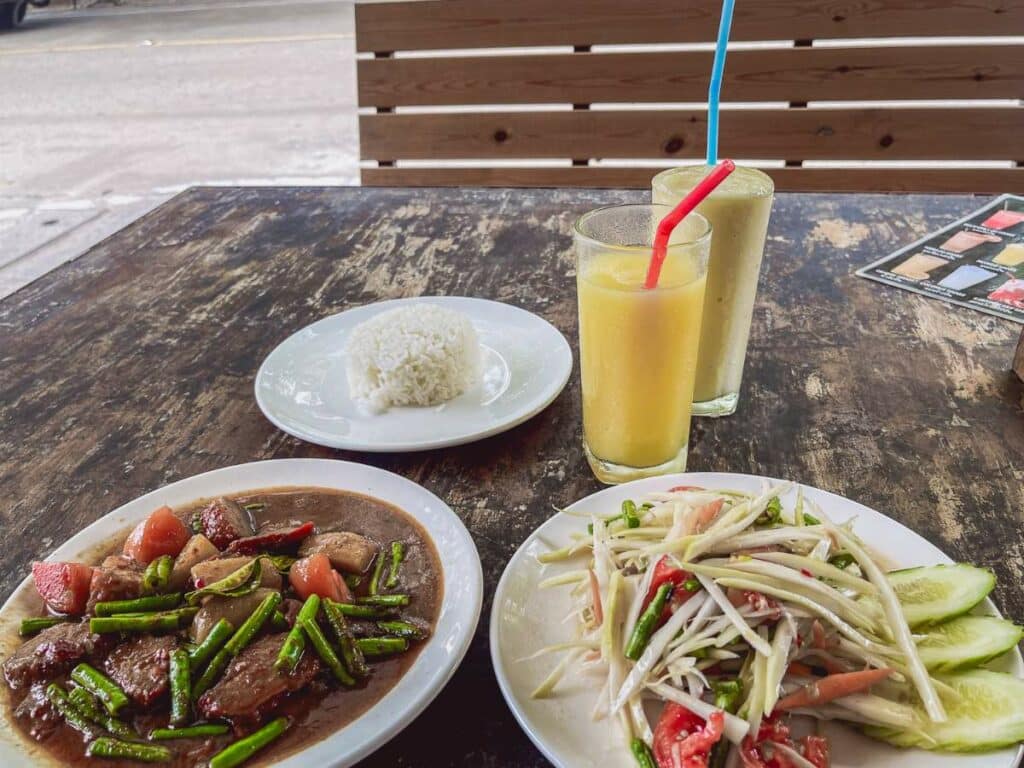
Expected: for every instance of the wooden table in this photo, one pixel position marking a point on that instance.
(133, 367)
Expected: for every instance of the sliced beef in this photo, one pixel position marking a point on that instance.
(140, 667)
(347, 552)
(118, 578)
(53, 652)
(37, 713)
(251, 688)
(290, 608)
(223, 521)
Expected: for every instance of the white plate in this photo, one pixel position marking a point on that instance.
(561, 727)
(301, 386)
(437, 661)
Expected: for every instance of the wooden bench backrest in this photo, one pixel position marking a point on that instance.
(645, 107)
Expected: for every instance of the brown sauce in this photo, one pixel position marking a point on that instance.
(323, 708)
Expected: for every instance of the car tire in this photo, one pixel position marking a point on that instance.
(13, 14)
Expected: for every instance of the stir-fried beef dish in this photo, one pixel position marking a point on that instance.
(239, 629)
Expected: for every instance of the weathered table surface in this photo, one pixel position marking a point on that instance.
(133, 367)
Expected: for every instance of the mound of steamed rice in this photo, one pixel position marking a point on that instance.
(421, 354)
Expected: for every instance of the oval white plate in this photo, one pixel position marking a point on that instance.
(437, 661)
(561, 726)
(302, 388)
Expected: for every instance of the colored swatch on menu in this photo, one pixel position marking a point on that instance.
(964, 241)
(1003, 219)
(976, 261)
(1011, 292)
(1011, 256)
(963, 277)
(918, 266)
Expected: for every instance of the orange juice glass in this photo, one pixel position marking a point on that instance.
(638, 347)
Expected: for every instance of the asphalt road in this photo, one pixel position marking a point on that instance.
(106, 113)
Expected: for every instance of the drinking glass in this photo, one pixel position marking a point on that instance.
(638, 347)
(738, 209)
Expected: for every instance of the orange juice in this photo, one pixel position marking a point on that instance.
(638, 356)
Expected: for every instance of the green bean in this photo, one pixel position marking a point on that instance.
(842, 561)
(58, 697)
(629, 514)
(237, 753)
(144, 753)
(382, 646)
(245, 633)
(727, 694)
(32, 626)
(390, 601)
(86, 704)
(139, 605)
(378, 569)
(190, 732)
(397, 556)
(212, 643)
(352, 657)
(211, 673)
(691, 585)
(181, 692)
(186, 614)
(237, 583)
(403, 629)
(642, 753)
(101, 686)
(365, 611)
(291, 651)
(152, 623)
(324, 650)
(353, 580)
(278, 621)
(646, 623)
(157, 575)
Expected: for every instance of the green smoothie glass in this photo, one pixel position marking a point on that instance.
(738, 211)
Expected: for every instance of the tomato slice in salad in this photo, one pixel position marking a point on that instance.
(667, 572)
(683, 739)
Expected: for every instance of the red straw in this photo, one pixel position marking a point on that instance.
(677, 214)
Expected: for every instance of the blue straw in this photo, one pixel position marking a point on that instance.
(715, 87)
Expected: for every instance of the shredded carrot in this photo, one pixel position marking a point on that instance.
(799, 668)
(832, 687)
(706, 515)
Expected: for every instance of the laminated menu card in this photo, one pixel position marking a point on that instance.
(976, 262)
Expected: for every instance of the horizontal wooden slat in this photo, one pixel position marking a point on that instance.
(500, 23)
(791, 74)
(981, 181)
(789, 134)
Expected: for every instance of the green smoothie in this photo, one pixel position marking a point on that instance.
(738, 211)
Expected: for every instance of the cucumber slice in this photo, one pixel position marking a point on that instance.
(934, 593)
(987, 713)
(967, 641)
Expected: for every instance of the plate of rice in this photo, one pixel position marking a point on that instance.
(413, 374)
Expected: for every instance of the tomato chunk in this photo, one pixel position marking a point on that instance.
(667, 572)
(314, 575)
(162, 533)
(64, 587)
(682, 739)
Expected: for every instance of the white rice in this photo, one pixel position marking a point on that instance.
(420, 354)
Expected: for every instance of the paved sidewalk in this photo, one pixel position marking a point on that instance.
(108, 112)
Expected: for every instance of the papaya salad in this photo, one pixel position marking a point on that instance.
(721, 628)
